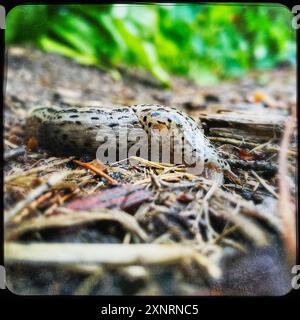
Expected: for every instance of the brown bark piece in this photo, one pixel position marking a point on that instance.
(254, 125)
(126, 197)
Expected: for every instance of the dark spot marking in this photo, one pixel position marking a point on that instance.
(74, 116)
(78, 122)
(49, 110)
(145, 118)
(94, 118)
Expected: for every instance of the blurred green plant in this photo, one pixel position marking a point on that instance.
(202, 42)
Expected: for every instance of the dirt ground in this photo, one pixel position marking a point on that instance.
(239, 246)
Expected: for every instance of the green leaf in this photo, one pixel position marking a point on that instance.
(53, 46)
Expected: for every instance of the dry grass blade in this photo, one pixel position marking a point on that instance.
(246, 226)
(53, 180)
(70, 218)
(107, 254)
(148, 163)
(261, 146)
(155, 181)
(164, 167)
(33, 205)
(269, 147)
(203, 205)
(169, 177)
(125, 219)
(44, 167)
(264, 184)
(252, 211)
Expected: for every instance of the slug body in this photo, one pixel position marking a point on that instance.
(74, 130)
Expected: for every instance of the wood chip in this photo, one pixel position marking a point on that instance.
(127, 197)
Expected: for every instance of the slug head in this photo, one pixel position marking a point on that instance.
(219, 164)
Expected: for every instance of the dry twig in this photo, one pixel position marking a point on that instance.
(264, 184)
(286, 208)
(107, 254)
(70, 218)
(96, 170)
(54, 179)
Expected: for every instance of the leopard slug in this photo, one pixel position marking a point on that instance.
(73, 130)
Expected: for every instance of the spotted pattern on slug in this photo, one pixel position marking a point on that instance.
(73, 130)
